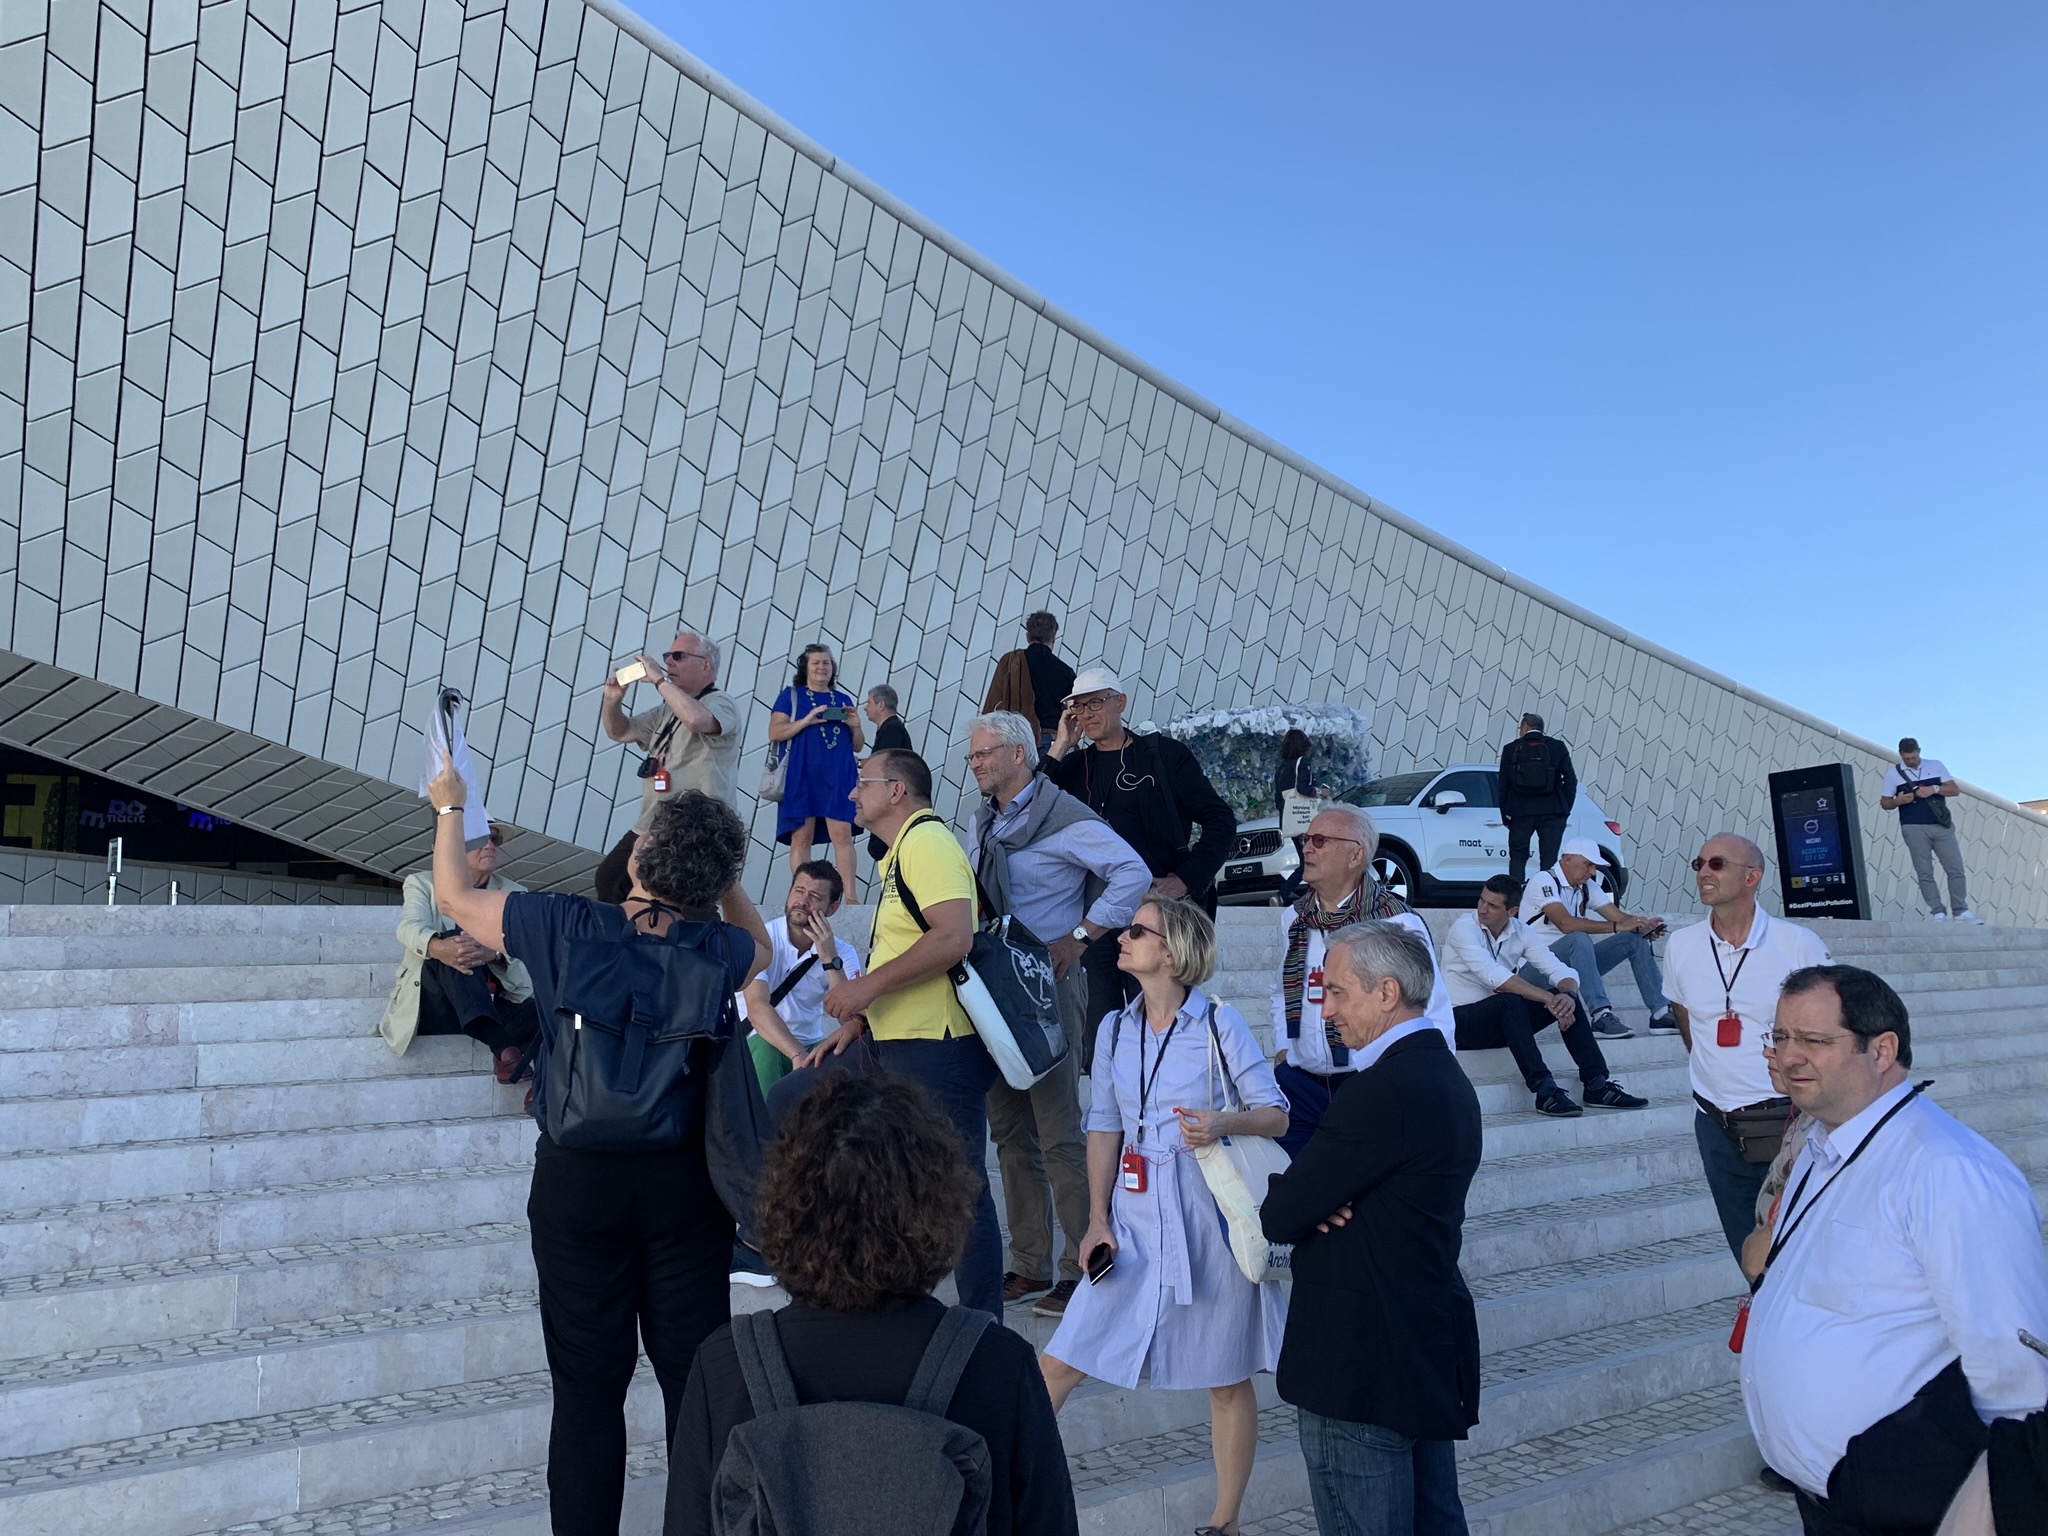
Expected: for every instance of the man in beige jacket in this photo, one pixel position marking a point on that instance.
(448, 983)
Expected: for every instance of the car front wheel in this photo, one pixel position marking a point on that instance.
(1394, 868)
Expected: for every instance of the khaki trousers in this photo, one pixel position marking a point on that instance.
(1043, 1153)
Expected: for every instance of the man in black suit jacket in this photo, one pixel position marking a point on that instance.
(891, 734)
(1381, 1354)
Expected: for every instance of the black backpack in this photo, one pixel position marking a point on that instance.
(1532, 770)
(639, 1014)
(853, 1469)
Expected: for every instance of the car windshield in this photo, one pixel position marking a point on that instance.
(1397, 789)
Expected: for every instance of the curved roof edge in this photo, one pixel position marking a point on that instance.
(696, 69)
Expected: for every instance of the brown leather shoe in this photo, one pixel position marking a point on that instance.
(1016, 1288)
(1054, 1302)
(507, 1063)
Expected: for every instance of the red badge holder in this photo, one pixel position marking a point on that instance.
(1134, 1170)
(1741, 1328)
(1728, 1031)
(661, 781)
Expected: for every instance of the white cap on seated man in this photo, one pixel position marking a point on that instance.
(1571, 907)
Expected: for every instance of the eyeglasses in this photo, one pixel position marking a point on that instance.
(1717, 863)
(1321, 840)
(684, 656)
(1084, 706)
(986, 753)
(858, 782)
(1140, 931)
(1777, 1040)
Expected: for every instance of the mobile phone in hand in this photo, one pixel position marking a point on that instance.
(632, 672)
(1100, 1262)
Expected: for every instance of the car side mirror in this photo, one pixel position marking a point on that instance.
(1444, 799)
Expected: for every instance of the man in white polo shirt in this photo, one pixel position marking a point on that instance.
(1906, 1270)
(1723, 977)
(1571, 908)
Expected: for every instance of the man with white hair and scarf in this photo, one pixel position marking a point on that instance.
(1310, 1060)
(1052, 864)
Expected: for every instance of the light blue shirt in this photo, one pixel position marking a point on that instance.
(1048, 879)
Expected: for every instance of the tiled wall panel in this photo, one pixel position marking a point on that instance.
(351, 347)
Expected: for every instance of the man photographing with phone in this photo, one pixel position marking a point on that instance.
(691, 739)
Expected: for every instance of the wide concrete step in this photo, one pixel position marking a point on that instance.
(31, 1181)
(174, 953)
(110, 1025)
(105, 1306)
(34, 1074)
(102, 985)
(253, 1109)
(171, 1228)
(201, 922)
(293, 1462)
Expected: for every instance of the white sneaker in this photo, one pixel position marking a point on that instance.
(1967, 916)
(753, 1278)
(1939, 917)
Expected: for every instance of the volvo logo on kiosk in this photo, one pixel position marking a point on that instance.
(1820, 845)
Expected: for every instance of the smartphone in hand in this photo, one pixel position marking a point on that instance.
(1100, 1262)
(632, 672)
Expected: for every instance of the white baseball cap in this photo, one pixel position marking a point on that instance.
(1094, 680)
(1586, 849)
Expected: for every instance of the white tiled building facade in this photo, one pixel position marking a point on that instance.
(348, 349)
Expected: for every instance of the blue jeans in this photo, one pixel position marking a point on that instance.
(1735, 1184)
(1369, 1481)
(958, 1074)
(1593, 961)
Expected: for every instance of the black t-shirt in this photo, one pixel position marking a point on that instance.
(892, 734)
(540, 927)
(1051, 681)
(1116, 786)
(870, 1357)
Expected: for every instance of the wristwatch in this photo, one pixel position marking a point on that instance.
(832, 965)
(1081, 933)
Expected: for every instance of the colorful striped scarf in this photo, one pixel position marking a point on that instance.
(1371, 899)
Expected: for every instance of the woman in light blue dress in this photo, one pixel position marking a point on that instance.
(1175, 1307)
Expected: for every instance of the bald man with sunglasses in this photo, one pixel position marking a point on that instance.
(1722, 978)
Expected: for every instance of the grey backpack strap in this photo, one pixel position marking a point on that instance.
(945, 1358)
(763, 1365)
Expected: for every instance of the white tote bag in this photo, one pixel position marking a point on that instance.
(1296, 812)
(1236, 1170)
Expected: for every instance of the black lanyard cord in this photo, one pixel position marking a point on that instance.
(1145, 1084)
(1727, 981)
(1797, 1212)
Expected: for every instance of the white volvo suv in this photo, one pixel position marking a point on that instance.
(1441, 836)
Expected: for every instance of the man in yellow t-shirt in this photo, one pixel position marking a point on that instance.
(906, 1000)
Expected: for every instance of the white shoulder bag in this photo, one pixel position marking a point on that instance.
(1237, 1170)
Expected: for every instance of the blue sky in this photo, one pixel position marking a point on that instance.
(1728, 321)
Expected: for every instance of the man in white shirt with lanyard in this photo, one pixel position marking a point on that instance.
(1494, 1005)
(1570, 907)
(1885, 1333)
(1723, 977)
(1309, 1061)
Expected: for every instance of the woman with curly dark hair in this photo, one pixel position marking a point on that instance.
(864, 1206)
(629, 1236)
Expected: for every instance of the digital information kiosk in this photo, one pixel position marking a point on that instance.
(1820, 844)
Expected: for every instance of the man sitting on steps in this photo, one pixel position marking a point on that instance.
(1568, 906)
(1495, 1006)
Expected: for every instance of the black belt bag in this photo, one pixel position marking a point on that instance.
(1757, 1131)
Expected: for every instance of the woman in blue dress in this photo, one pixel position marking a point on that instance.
(820, 730)
(1175, 1307)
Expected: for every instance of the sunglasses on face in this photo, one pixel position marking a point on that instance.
(684, 656)
(1717, 862)
(1140, 931)
(1321, 840)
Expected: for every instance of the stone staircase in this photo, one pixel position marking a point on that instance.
(258, 1274)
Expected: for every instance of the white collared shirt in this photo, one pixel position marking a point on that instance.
(1476, 964)
(1369, 1054)
(802, 1009)
(1577, 900)
(1927, 1247)
(1311, 1052)
(1729, 1077)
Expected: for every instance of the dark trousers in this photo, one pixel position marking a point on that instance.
(1549, 831)
(632, 1249)
(1369, 1481)
(612, 882)
(454, 1004)
(1108, 990)
(958, 1073)
(1308, 1100)
(1735, 1184)
(1506, 1020)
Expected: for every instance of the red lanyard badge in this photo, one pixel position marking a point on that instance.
(1728, 1030)
(1136, 1179)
